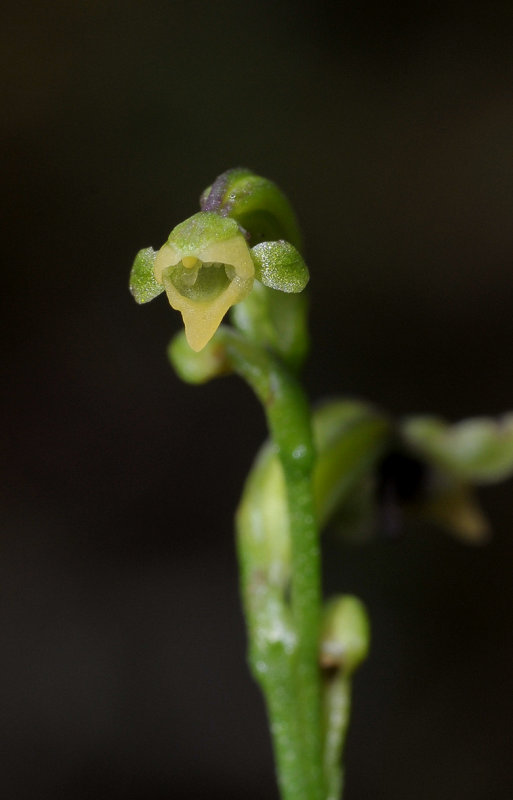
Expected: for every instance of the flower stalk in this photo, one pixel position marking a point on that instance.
(284, 634)
(346, 464)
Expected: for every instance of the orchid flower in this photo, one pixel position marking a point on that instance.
(207, 264)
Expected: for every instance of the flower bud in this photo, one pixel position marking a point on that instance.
(345, 634)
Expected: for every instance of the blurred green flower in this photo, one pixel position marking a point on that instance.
(469, 453)
(373, 475)
(430, 470)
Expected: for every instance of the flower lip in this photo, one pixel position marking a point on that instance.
(208, 238)
(205, 268)
(202, 282)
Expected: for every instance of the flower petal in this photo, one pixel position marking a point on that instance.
(478, 450)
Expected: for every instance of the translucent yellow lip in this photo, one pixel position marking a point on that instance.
(202, 317)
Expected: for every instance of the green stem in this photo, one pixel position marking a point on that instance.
(278, 550)
(337, 706)
(288, 417)
(271, 641)
(306, 598)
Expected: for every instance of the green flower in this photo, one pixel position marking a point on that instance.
(469, 453)
(429, 471)
(373, 475)
(206, 266)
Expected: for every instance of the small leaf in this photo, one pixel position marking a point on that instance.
(351, 437)
(143, 285)
(276, 320)
(279, 265)
(478, 450)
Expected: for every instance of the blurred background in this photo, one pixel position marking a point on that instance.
(122, 663)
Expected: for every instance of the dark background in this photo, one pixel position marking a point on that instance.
(122, 667)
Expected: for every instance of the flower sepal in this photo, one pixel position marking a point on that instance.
(479, 449)
(256, 203)
(278, 265)
(143, 284)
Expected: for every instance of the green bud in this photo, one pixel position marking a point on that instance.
(345, 634)
(263, 520)
(143, 285)
(196, 368)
